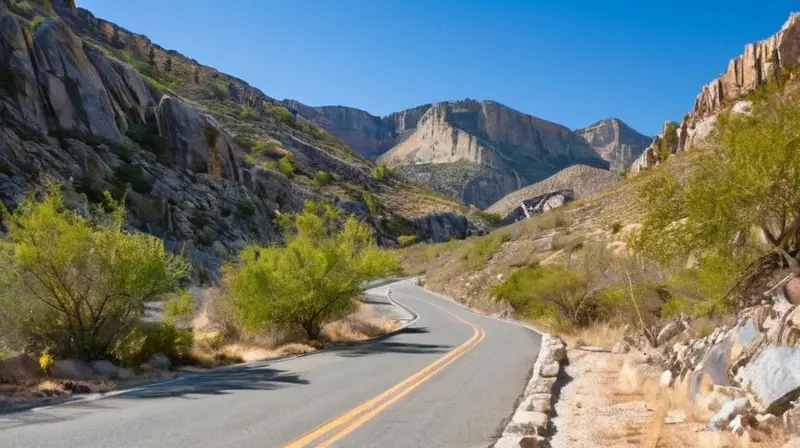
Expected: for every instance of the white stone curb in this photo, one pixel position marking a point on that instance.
(529, 424)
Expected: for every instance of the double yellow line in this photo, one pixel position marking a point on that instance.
(344, 424)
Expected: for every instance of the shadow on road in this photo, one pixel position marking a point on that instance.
(390, 346)
(223, 381)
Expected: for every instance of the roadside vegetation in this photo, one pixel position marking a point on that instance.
(699, 239)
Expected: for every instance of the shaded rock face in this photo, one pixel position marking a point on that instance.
(369, 135)
(760, 63)
(444, 227)
(616, 142)
(199, 142)
(486, 150)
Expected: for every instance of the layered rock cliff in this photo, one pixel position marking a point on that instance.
(770, 60)
(479, 151)
(616, 142)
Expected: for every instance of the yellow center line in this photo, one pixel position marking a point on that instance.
(377, 410)
(412, 382)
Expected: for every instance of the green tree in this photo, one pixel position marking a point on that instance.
(322, 178)
(311, 281)
(73, 284)
(749, 180)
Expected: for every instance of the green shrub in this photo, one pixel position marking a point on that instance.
(74, 285)
(35, 22)
(372, 202)
(245, 209)
(379, 172)
(322, 178)
(248, 113)
(314, 279)
(493, 219)
(216, 89)
(406, 240)
(131, 175)
(121, 149)
(5, 168)
(285, 166)
(481, 250)
(147, 137)
(282, 115)
(268, 148)
(23, 8)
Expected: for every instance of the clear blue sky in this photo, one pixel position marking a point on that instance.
(573, 62)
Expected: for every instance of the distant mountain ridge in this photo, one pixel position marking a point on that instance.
(615, 141)
(476, 151)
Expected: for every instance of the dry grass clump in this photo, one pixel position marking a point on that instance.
(359, 326)
(598, 334)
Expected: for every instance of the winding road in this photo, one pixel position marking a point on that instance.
(450, 379)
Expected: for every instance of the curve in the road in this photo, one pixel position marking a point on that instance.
(361, 414)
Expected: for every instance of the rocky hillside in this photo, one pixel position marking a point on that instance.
(582, 180)
(771, 61)
(615, 141)
(207, 160)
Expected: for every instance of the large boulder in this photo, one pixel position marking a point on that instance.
(160, 362)
(19, 369)
(73, 369)
(442, 227)
(198, 141)
(105, 369)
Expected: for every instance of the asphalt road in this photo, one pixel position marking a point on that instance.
(450, 380)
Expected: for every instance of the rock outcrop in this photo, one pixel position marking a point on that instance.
(753, 362)
(581, 180)
(539, 204)
(616, 142)
(769, 60)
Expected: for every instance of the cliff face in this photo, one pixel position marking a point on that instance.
(762, 62)
(480, 151)
(369, 135)
(615, 141)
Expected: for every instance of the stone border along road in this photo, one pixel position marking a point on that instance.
(530, 424)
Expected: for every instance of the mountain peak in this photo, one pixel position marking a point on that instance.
(615, 141)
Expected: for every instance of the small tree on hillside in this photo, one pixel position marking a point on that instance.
(311, 281)
(748, 179)
(74, 285)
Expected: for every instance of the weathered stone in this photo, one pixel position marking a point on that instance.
(669, 331)
(528, 423)
(541, 386)
(773, 376)
(728, 412)
(550, 369)
(791, 419)
(19, 369)
(537, 403)
(615, 141)
(620, 348)
(442, 227)
(72, 369)
(105, 369)
(126, 374)
(159, 362)
(516, 441)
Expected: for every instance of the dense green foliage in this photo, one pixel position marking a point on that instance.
(77, 285)
(322, 178)
(380, 171)
(311, 281)
(749, 181)
(481, 250)
(666, 142)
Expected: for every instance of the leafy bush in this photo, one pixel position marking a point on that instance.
(127, 174)
(380, 171)
(35, 22)
(406, 240)
(245, 209)
(322, 178)
(147, 137)
(372, 202)
(314, 279)
(23, 8)
(216, 89)
(482, 250)
(248, 113)
(285, 166)
(282, 115)
(46, 362)
(493, 219)
(4, 168)
(76, 285)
